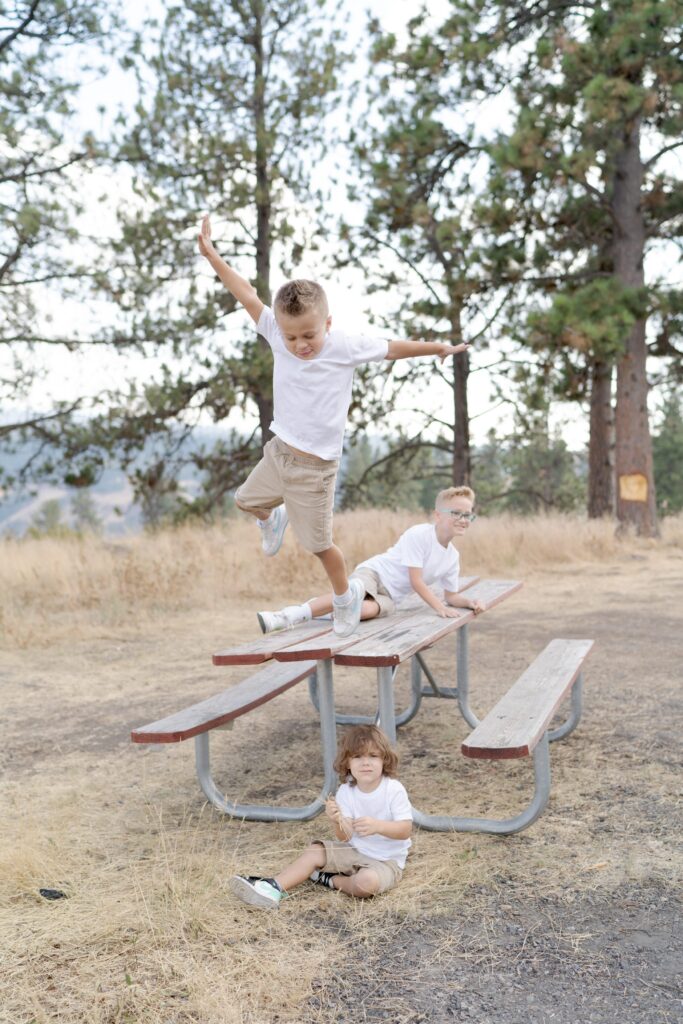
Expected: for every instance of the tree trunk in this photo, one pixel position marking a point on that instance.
(635, 479)
(262, 394)
(461, 462)
(601, 443)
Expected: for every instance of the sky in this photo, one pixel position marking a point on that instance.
(70, 376)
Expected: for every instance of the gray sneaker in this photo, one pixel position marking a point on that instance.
(347, 616)
(273, 530)
(257, 892)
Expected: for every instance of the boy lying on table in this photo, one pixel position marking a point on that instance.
(422, 558)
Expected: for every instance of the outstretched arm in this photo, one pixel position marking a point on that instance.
(244, 292)
(407, 349)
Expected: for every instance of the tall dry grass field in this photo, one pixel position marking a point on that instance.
(98, 637)
(53, 589)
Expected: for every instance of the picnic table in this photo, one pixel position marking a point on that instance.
(516, 727)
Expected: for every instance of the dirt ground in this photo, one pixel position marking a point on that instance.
(575, 919)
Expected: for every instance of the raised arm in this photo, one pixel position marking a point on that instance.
(244, 292)
(408, 349)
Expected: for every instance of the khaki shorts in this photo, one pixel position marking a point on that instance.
(305, 485)
(343, 859)
(375, 589)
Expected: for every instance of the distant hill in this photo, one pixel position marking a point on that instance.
(112, 494)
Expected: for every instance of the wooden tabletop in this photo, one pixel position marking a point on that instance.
(376, 642)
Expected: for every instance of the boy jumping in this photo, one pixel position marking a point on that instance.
(312, 381)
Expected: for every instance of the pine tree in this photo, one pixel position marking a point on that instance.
(419, 238)
(43, 168)
(583, 180)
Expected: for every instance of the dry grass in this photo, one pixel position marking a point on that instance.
(99, 638)
(52, 588)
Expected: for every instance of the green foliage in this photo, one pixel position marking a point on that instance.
(397, 475)
(84, 514)
(542, 476)
(42, 177)
(47, 521)
(667, 453)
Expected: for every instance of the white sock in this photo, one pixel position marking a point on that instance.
(343, 599)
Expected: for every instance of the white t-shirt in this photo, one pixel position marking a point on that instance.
(417, 548)
(389, 802)
(311, 397)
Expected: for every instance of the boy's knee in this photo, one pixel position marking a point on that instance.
(243, 506)
(317, 851)
(367, 882)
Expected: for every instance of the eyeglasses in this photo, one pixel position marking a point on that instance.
(458, 516)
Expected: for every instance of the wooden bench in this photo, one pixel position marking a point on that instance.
(518, 727)
(221, 710)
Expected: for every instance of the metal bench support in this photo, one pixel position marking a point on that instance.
(574, 713)
(264, 812)
(505, 826)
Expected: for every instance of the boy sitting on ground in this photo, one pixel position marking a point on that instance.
(422, 558)
(372, 820)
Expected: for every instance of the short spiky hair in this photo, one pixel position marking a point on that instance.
(358, 741)
(298, 297)
(454, 492)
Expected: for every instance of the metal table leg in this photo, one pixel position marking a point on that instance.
(264, 812)
(403, 716)
(385, 702)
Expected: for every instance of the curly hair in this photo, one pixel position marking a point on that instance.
(298, 297)
(360, 740)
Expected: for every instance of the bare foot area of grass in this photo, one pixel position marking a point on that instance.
(573, 920)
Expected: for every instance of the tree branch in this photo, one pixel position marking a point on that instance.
(10, 428)
(665, 149)
(404, 259)
(20, 28)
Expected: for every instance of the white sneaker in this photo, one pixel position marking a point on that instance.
(347, 616)
(286, 618)
(273, 530)
(271, 622)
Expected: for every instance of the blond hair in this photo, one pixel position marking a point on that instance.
(454, 492)
(298, 297)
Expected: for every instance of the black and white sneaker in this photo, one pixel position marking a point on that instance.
(323, 878)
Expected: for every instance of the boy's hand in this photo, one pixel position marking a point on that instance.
(452, 350)
(334, 813)
(447, 612)
(332, 809)
(205, 243)
(366, 826)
